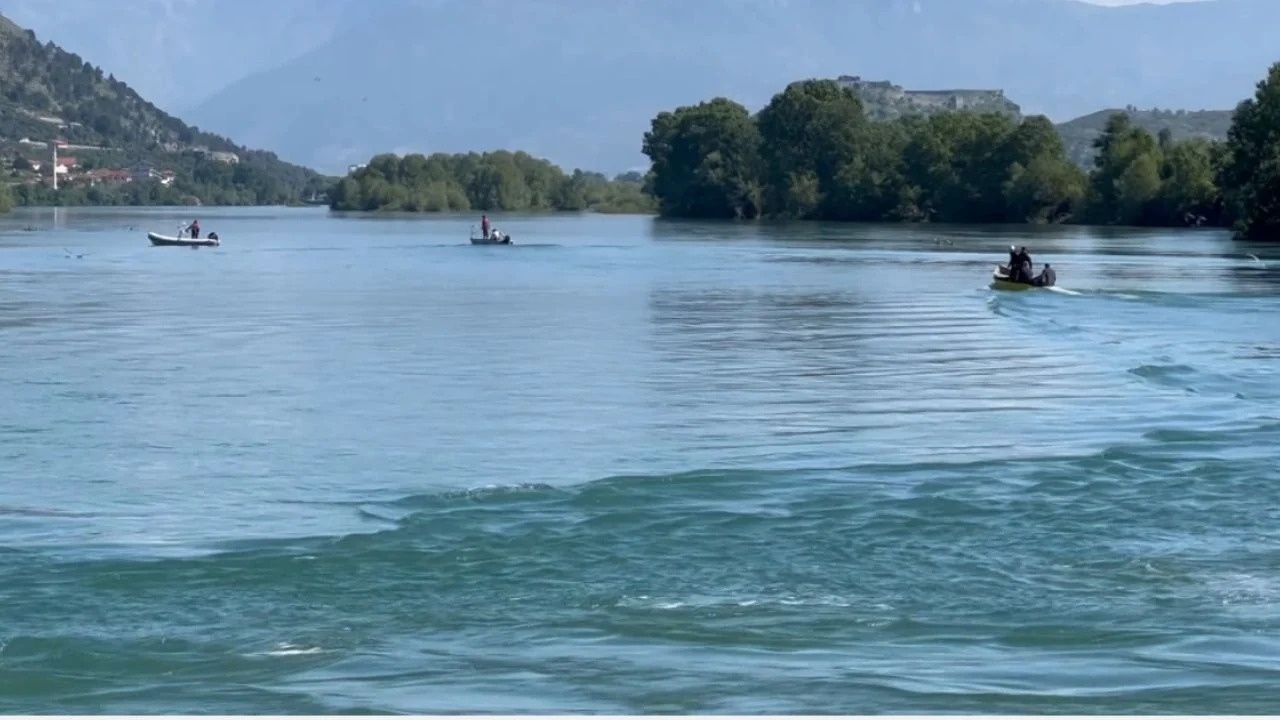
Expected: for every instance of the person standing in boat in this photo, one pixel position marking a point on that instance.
(484, 226)
(195, 229)
(1022, 270)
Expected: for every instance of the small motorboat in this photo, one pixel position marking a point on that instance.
(158, 239)
(495, 238)
(1000, 280)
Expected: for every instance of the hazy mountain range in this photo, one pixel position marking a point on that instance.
(330, 82)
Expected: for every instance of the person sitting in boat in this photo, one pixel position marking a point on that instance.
(1047, 277)
(484, 226)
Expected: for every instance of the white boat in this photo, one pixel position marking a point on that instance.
(496, 237)
(158, 239)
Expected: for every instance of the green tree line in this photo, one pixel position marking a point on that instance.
(812, 153)
(495, 181)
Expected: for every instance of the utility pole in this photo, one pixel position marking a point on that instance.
(54, 144)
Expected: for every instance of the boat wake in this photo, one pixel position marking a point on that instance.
(1062, 290)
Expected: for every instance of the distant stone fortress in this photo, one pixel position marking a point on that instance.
(884, 99)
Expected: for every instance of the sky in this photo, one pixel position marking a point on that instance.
(1133, 2)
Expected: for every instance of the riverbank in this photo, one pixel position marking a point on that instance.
(9, 221)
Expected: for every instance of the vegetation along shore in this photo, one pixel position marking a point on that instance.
(490, 181)
(819, 150)
(815, 153)
(812, 153)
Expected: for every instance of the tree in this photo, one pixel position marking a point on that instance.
(1126, 173)
(347, 195)
(1250, 176)
(498, 186)
(1188, 192)
(979, 146)
(492, 181)
(1042, 184)
(706, 161)
(1137, 186)
(868, 188)
(1044, 191)
(809, 135)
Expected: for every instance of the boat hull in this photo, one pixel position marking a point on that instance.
(1001, 281)
(504, 240)
(158, 239)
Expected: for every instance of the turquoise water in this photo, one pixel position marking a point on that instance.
(632, 466)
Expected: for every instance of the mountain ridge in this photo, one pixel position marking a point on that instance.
(180, 32)
(125, 148)
(578, 84)
(1079, 133)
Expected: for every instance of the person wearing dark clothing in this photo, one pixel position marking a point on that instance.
(1020, 268)
(1023, 269)
(195, 228)
(484, 226)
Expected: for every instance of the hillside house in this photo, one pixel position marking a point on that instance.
(216, 155)
(65, 166)
(143, 171)
(107, 176)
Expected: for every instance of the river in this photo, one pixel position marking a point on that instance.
(626, 465)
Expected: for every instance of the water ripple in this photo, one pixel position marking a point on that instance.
(788, 469)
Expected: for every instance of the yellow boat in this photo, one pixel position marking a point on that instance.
(1000, 281)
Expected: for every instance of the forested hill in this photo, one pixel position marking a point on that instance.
(115, 147)
(1079, 134)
